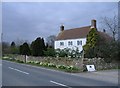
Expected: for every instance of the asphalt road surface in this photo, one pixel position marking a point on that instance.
(15, 74)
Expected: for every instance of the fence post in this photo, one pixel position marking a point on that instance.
(26, 57)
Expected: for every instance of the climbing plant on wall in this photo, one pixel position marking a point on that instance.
(92, 39)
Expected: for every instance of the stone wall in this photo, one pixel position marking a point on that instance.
(99, 63)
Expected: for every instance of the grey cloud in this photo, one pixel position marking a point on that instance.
(30, 20)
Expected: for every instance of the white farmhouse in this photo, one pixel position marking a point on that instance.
(73, 38)
(76, 37)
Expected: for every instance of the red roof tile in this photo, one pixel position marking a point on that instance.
(74, 33)
(79, 33)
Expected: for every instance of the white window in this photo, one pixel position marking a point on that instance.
(70, 43)
(79, 42)
(61, 43)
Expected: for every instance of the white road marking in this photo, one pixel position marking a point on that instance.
(18, 70)
(39, 67)
(60, 84)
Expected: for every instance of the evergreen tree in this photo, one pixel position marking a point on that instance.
(13, 44)
(49, 52)
(32, 47)
(21, 49)
(37, 47)
(43, 45)
(24, 49)
(13, 48)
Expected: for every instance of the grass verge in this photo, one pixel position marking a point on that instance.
(69, 69)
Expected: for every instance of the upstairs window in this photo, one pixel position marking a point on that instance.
(61, 43)
(79, 42)
(70, 43)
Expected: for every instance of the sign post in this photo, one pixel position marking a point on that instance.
(26, 57)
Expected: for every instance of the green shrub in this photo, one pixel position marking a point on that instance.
(12, 59)
(72, 68)
(19, 61)
(32, 62)
(51, 65)
(61, 53)
(49, 52)
(5, 57)
(45, 64)
(41, 63)
(61, 66)
(67, 52)
(37, 62)
(28, 61)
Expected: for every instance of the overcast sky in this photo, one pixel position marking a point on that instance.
(27, 21)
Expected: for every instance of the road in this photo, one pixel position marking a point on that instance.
(0, 72)
(15, 74)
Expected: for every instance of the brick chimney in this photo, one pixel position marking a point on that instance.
(93, 23)
(61, 28)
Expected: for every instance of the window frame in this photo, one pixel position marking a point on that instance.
(61, 43)
(70, 43)
(79, 42)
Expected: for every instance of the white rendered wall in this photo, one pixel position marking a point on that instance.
(73, 46)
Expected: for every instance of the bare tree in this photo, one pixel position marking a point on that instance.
(111, 24)
(50, 40)
(5, 48)
(19, 41)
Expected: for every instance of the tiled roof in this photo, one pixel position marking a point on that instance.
(80, 33)
(74, 33)
(105, 36)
